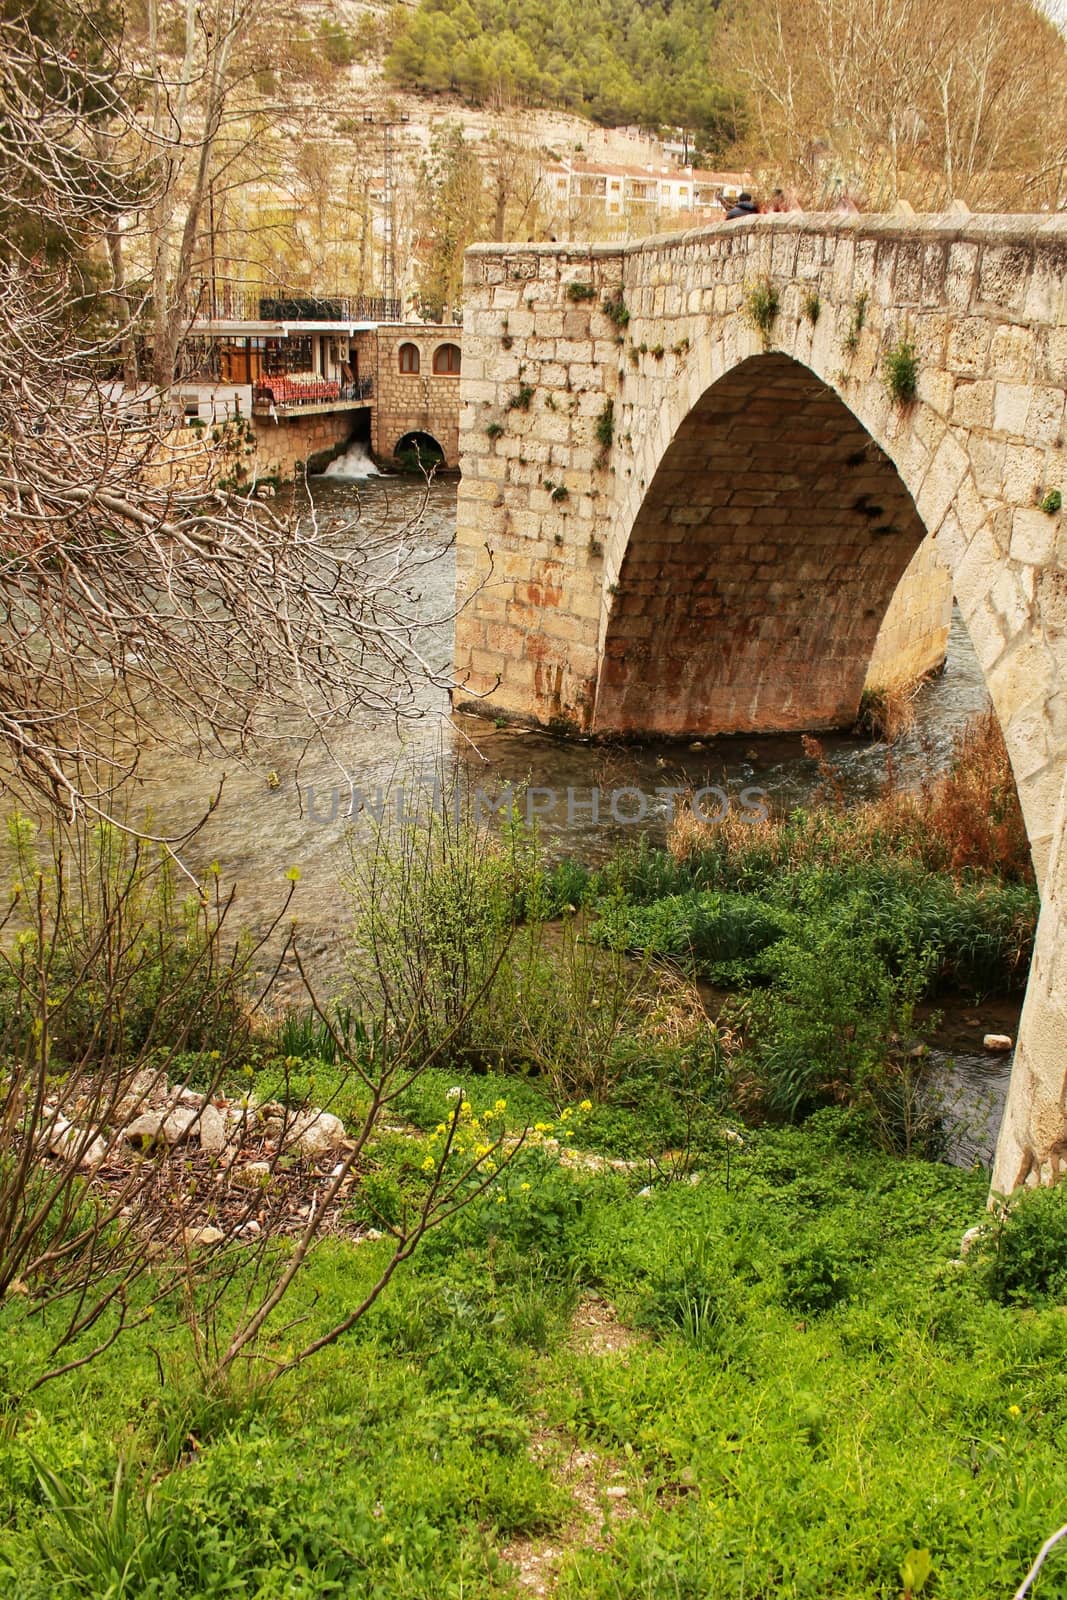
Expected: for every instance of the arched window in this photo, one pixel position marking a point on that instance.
(409, 358)
(446, 360)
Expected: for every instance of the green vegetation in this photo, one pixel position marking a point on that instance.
(693, 1320)
(778, 1377)
(610, 62)
(761, 308)
(900, 370)
(605, 429)
(579, 292)
(614, 308)
(1052, 502)
(812, 307)
(856, 323)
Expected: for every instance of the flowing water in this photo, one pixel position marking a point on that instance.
(275, 815)
(356, 464)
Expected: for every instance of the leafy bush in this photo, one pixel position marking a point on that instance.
(1029, 1263)
(815, 1278)
(707, 928)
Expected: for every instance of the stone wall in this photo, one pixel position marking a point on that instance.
(282, 445)
(913, 637)
(422, 402)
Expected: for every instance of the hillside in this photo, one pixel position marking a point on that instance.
(612, 62)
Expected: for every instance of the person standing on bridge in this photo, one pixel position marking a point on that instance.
(743, 206)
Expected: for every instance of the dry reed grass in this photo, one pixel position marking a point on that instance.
(967, 818)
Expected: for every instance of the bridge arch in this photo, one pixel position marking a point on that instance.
(755, 576)
(580, 515)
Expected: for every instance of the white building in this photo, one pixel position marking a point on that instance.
(634, 194)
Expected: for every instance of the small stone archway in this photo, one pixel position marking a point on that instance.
(421, 448)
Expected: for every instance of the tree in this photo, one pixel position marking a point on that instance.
(896, 99)
(130, 581)
(452, 213)
(185, 127)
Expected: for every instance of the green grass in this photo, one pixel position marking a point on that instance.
(812, 1388)
(804, 1388)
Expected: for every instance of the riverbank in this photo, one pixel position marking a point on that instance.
(509, 1267)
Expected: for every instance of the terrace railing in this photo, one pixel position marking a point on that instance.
(228, 301)
(284, 391)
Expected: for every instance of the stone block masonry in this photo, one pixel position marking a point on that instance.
(674, 520)
(912, 640)
(284, 446)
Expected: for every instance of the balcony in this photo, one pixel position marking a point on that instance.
(302, 394)
(227, 301)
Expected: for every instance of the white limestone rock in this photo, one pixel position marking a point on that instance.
(212, 1130)
(143, 1086)
(315, 1133)
(203, 1237)
(160, 1127)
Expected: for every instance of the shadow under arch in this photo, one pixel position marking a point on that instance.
(760, 564)
(419, 449)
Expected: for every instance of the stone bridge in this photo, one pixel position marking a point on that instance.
(689, 496)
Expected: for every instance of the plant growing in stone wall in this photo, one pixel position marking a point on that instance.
(234, 442)
(900, 372)
(580, 291)
(812, 307)
(761, 308)
(520, 401)
(605, 431)
(856, 322)
(1052, 502)
(614, 308)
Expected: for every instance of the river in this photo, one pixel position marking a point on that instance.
(273, 817)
